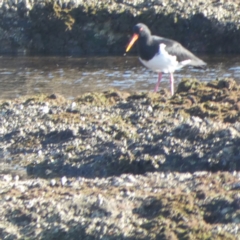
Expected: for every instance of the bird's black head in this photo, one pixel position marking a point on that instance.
(142, 30)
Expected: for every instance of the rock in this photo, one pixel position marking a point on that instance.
(53, 27)
(109, 164)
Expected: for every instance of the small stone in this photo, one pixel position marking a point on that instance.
(53, 182)
(44, 109)
(21, 188)
(63, 180)
(73, 105)
(7, 178)
(16, 178)
(150, 109)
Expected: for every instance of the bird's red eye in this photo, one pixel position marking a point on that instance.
(141, 29)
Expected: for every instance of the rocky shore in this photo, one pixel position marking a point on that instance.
(115, 165)
(104, 27)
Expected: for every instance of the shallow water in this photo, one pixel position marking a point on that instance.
(72, 76)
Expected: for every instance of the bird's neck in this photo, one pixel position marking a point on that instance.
(145, 48)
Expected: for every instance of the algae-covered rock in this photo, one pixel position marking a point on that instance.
(120, 165)
(217, 99)
(83, 27)
(186, 85)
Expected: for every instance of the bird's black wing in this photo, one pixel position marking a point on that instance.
(176, 49)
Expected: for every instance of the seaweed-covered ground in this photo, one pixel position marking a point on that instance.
(115, 165)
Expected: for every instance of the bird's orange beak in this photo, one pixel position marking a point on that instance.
(133, 40)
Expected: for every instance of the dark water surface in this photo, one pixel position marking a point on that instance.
(72, 76)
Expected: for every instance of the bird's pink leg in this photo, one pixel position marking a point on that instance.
(158, 82)
(172, 83)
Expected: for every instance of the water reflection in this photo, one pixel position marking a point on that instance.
(72, 76)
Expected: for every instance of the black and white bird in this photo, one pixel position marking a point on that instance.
(160, 54)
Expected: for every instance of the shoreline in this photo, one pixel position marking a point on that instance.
(117, 165)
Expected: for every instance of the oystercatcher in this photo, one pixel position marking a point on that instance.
(160, 54)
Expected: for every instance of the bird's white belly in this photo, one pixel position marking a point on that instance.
(164, 62)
